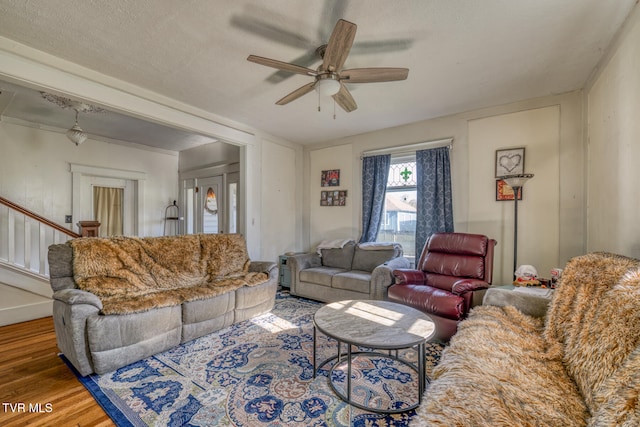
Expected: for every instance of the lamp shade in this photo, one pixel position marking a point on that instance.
(516, 181)
(76, 135)
(327, 86)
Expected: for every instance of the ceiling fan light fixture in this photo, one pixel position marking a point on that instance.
(328, 86)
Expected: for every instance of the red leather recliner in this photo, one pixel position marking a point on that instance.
(452, 266)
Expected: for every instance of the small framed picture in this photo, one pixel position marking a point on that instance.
(509, 161)
(505, 192)
(333, 198)
(330, 178)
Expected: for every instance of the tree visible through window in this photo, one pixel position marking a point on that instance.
(399, 215)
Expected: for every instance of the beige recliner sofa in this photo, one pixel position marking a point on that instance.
(346, 270)
(122, 299)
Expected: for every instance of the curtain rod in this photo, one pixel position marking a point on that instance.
(403, 149)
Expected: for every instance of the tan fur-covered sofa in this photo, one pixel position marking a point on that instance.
(122, 299)
(579, 367)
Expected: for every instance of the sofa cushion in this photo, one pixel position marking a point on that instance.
(320, 275)
(429, 300)
(594, 316)
(498, 370)
(368, 259)
(132, 266)
(354, 280)
(119, 340)
(131, 274)
(454, 265)
(225, 255)
(339, 257)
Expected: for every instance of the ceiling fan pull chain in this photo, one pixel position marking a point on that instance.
(334, 109)
(318, 102)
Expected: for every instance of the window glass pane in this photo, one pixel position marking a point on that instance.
(402, 174)
(399, 216)
(188, 215)
(210, 213)
(233, 209)
(399, 220)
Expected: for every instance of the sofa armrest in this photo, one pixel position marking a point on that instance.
(301, 262)
(71, 309)
(382, 277)
(468, 285)
(269, 267)
(77, 296)
(405, 276)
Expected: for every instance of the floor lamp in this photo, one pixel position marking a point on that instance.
(516, 182)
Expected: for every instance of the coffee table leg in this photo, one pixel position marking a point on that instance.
(314, 351)
(349, 372)
(421, 371)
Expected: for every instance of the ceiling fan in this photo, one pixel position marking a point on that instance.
(329, 78)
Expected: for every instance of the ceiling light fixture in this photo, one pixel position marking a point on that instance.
(76, 134)
(327, 85)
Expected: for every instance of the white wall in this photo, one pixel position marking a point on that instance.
(614, 147)
(280, 214)
(556, 155)
(332, 222)
(538, 131)
(35, 172)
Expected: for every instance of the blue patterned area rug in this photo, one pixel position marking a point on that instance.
(257, 373)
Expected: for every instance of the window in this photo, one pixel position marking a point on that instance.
(399, 215)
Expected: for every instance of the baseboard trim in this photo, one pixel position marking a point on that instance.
(26, 312)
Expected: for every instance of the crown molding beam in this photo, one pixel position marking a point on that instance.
(22, 65)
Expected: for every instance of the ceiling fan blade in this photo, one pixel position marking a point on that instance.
(281, 65)
(373, 75)
(344, 99)
(339, 45)
(296, 94)
(305, 60)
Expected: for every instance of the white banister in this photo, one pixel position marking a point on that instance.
(28, 237)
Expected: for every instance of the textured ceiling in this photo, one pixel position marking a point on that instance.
(462, 54)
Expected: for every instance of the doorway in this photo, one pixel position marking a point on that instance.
(210, 205)
(110, 201)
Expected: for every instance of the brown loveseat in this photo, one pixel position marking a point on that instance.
(579, 368)
(122, 299)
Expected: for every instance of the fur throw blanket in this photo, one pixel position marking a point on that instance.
(131, 274)
(580, 368)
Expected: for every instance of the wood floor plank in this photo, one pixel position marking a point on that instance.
(33, 373)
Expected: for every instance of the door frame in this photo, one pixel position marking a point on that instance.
(81, 175)
(190, 180)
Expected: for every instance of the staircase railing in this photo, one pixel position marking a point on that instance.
(26, 237)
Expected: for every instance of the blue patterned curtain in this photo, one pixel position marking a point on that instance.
(434, 209)
(375, 173)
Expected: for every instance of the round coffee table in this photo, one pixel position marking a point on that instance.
(380, 325)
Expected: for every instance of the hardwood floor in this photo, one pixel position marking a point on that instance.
(31, 373)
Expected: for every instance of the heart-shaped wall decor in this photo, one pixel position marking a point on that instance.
(510, 161)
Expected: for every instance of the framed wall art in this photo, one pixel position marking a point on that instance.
(509, 161)
(333, 198)
(505, 192)
(330, 178)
